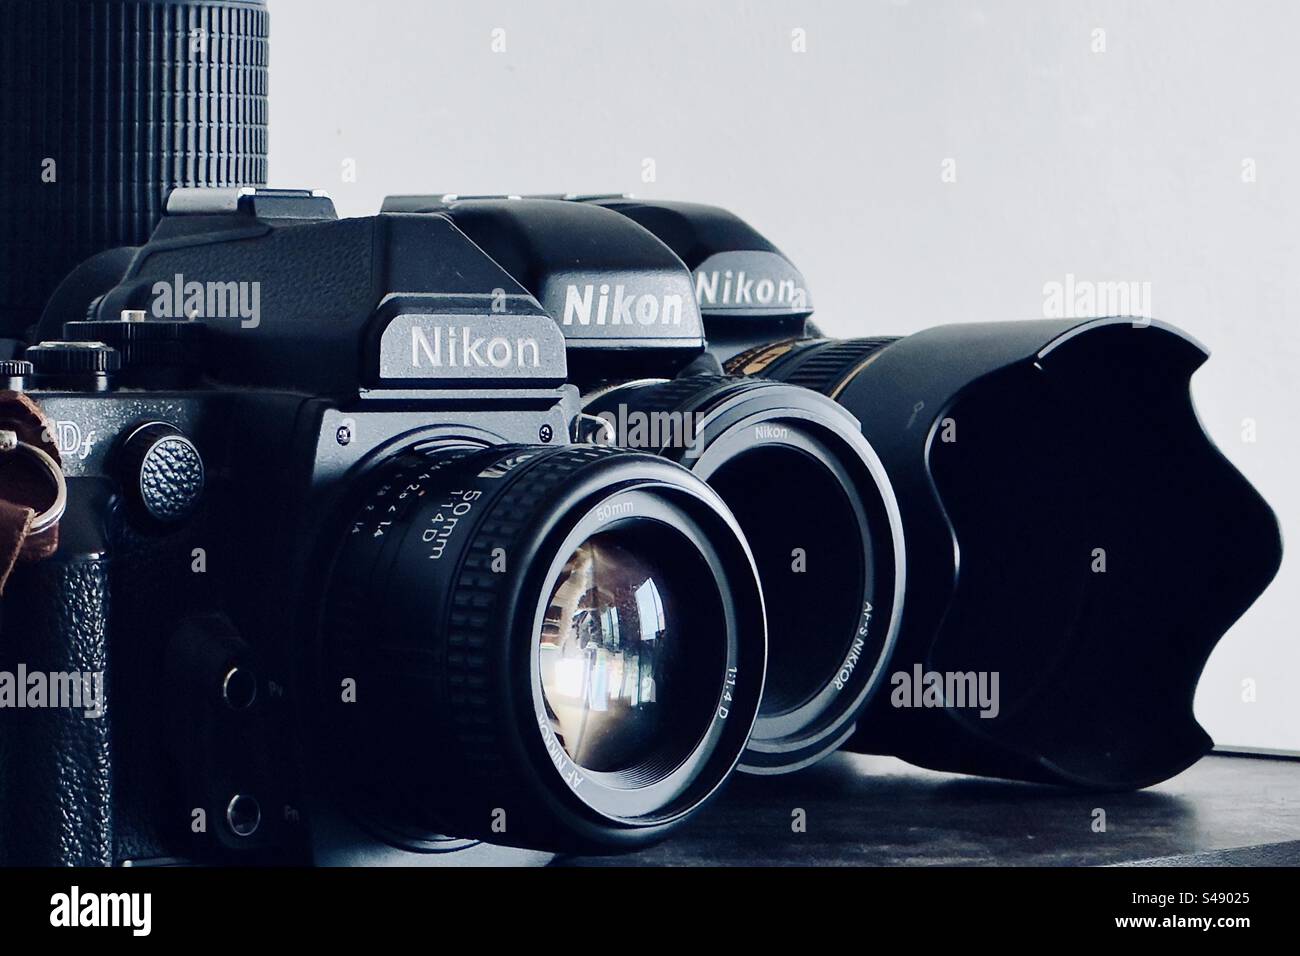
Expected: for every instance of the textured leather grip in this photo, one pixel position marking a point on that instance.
(55, 782)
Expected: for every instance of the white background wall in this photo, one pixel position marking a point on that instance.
(1125, 164)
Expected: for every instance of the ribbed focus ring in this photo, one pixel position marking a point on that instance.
(475, 617)
(107, 105)
(823, 367)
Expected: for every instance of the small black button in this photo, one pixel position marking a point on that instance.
(14, 374)
(243, 815)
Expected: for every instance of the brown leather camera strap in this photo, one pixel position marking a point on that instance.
(32, 489)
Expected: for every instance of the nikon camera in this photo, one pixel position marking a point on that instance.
(314, 560)
(358, 594)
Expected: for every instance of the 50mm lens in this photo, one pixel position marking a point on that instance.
(553, 647)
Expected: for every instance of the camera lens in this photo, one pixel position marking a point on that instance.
(551, 647)
(820, 518)
(625, 663)
(1018, 491)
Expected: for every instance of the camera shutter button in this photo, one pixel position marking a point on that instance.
(162, 471)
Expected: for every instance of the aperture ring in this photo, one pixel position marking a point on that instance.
(352, 613)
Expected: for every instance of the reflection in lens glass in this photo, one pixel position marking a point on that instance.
(609, 655)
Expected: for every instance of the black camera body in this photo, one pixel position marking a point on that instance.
(283, 388)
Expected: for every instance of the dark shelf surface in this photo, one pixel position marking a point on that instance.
(864, 810)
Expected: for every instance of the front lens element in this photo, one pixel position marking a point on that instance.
(624, 666)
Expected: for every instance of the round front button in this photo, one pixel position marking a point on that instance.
(243, 815)
(164, 471)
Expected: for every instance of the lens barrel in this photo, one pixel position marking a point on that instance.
(107, 105)
(559, 648)
(820, 517)
(1062, 503)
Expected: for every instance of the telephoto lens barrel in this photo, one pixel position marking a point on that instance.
(556, 648)
(108, 105)
(820, 516)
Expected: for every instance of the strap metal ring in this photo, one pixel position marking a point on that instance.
(10, 443)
